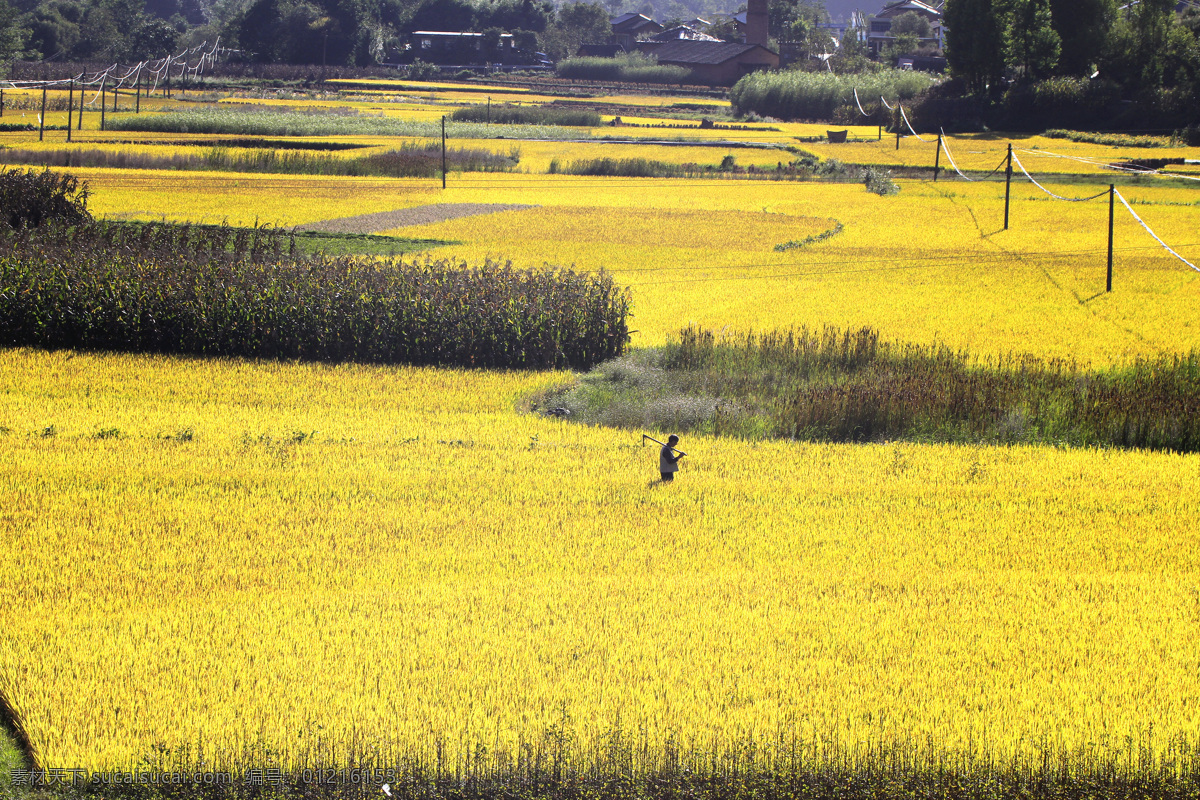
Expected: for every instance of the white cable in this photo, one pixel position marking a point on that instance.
(1116, 167)
(885, 103)
(858, 103)
(909, 124)
(1017, 161)
(950, 158)
(1129, 208)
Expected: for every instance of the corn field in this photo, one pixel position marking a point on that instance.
(157, 288)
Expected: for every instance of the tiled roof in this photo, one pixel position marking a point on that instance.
(688, 52)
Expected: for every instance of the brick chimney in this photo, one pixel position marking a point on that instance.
(756, 22)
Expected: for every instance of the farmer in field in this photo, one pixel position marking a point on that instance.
(668, 462)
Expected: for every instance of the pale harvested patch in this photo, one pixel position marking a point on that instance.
(404, 217)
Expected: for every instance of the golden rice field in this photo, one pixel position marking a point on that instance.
(284, 564)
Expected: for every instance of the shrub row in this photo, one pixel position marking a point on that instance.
(507, 114)
(627, 68)
(410, 160)
(170, 289)
(262, 121)
(818, 95)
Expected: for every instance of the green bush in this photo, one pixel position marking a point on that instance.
(627, 68)
(622, 167)
(507, 114)
(819, 95)
(29, 198)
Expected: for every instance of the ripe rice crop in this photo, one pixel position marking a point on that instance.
(291, 564)
(221, 292)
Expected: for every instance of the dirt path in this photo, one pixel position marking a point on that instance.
(403, 217)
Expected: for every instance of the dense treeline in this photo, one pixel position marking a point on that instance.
(848, 386)
(1019, 64)
(1029, 63)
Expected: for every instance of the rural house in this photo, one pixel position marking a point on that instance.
(879, 34)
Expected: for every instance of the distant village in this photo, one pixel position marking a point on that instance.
(720, 60)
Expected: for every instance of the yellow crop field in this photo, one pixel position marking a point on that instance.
(246, 564)
(366, 559)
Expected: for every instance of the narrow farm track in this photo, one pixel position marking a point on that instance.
(406, 217)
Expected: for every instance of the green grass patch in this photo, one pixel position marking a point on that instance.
(363, 244)
(409, 160)
(1114, 139)
(848, 386)
(263, 120)
(816, 238)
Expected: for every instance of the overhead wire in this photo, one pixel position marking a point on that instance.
(1141, 222)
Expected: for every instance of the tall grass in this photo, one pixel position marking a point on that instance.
(848, 386)
(264, 121)
(818, 95)
(627, 68)
(157, 288)
(507, 114)
(407, 161)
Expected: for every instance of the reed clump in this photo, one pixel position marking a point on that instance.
(849, 386)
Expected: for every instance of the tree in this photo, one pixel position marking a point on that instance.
(515, 15)
(793, 20)
(1083, 29)
(1031, 43)
(852, 54)
(724, 28)
(913, 23)
(575, 24)
(1153, 20)
(902, 44)
(154, 38)
(14, 35)
(54, 28)
(444, 15)
(974, 43)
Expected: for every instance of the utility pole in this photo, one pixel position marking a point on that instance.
(443, 151)
(71, 107)
(937, 158)
(1112, 200)
(42, 118)
(103, 98)
(1007, 186)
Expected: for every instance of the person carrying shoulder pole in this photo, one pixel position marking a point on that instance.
(668, 461)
